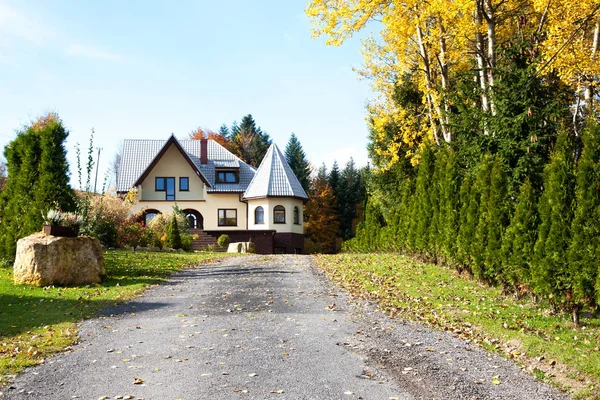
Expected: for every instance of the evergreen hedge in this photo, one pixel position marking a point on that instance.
(543, 240)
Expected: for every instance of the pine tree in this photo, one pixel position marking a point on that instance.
(37, 166)
(519, 240)
(584, 251)
(296, 158)
(550, 274)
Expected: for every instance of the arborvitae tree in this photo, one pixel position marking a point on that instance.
(449, 206)
(550, 272)
(433, 231)
(296, 158)
(519, 241)
(498, 220)
(423, 206)
(584, 251)
(2, 174)
(368, 232)
(173, 239)
(37, 168)
(480, 239)
(469, 221)
(404, 216)
(333, 179)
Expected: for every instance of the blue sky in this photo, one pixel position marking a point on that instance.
(146, 69)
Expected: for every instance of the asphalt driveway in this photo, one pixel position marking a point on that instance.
(266, 328)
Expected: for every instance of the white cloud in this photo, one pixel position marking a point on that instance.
(14, 24)
(92, 52)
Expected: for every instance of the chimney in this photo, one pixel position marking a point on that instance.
(203, 151)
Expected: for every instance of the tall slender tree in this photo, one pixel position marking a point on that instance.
(39, 180)
(550, 274)
(296, 158)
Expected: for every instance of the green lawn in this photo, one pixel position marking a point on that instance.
(36, 322)
(440, 298)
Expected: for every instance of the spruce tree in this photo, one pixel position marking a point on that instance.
(224, 131)
(584, 251)
(333, 179)
(550, 274)
(296, 158)
(519, 241)
(248, 141)
(37, 167)
(350, 194)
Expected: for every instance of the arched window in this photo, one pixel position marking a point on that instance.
(194, 219)
(147, 216)
(259, 215)
(296, 216)
(279, 215)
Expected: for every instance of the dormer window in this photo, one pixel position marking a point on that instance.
(227, 177)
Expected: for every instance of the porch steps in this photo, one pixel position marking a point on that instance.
(204, 240)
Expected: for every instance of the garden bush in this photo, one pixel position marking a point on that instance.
(223, 241)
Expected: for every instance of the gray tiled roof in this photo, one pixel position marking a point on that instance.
(274, 178)
(139, 153)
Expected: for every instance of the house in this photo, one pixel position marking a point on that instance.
(217, 191)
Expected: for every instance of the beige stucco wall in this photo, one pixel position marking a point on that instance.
(172, 164)
(269, 204)
(208, 209)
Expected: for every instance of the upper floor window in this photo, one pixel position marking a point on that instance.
(296, 216)
(279, 215)
(184, 184)
(227, 217)
(166, 185)
(259, 215)
(227, 177)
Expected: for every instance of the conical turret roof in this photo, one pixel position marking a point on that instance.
(274, 178)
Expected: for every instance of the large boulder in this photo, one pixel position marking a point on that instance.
(241, 247)
(44, 260)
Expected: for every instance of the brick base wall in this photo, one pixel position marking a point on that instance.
(263, 240)
(289, 243)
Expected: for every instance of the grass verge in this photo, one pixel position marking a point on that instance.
(37, 322)
(547, 345)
